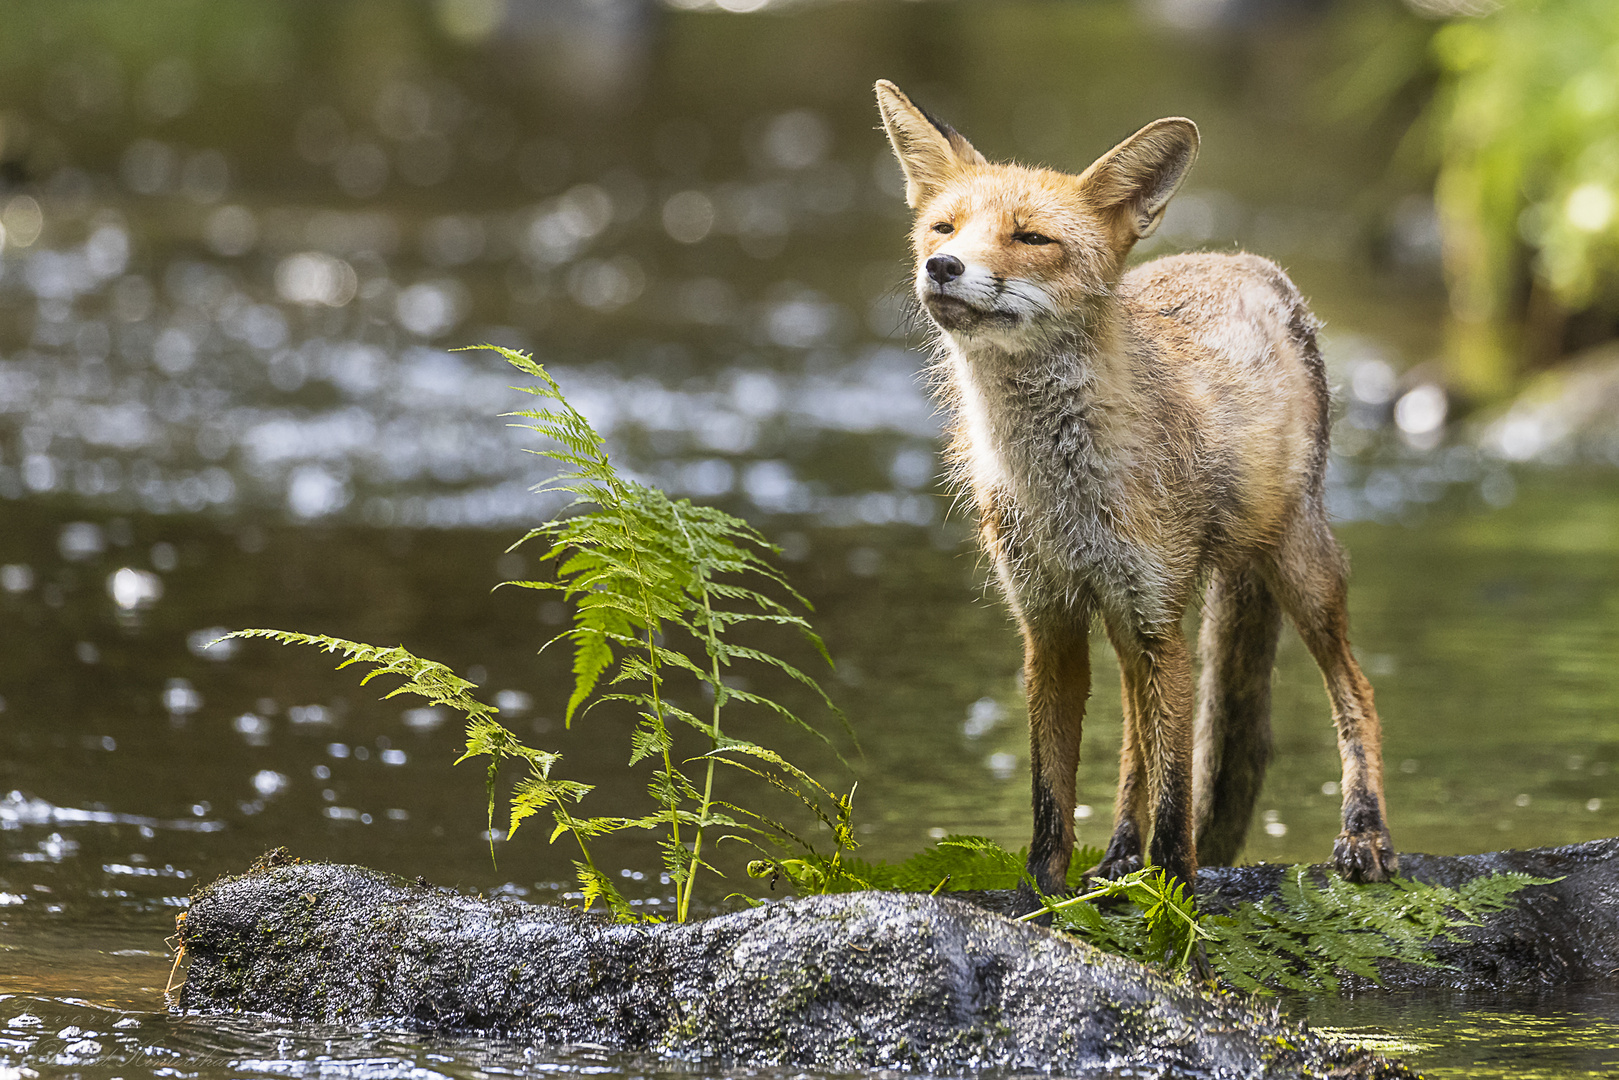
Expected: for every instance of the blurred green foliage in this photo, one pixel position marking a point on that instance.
(1526, 121)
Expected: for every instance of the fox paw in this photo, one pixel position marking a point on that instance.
(1365, 856)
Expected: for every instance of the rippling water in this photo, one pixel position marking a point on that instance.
(234, 261)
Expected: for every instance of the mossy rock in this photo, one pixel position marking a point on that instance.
(862, 980)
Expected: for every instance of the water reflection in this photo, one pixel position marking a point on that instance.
(255, 324)
(1560, 1034)
(18, 810)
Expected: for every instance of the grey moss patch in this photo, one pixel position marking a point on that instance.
(859, 980)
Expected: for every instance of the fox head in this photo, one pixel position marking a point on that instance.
(1006, 254)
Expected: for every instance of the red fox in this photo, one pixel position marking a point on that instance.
(1129, 439)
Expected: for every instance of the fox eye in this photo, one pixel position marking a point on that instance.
(1034, 239)
(944, 227)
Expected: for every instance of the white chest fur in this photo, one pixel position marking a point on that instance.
(1046, 445)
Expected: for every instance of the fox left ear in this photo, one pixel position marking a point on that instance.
(1141, 174)
(929, 151)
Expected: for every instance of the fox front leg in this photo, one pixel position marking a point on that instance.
(1057, 679)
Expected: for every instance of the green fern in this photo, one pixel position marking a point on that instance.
(486, 737)
(1319, 927)
(1314, 930)
(658, 587)
(954, 864)
(1161, 925)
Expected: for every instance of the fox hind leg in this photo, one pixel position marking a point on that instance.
(1232, 736)
(1158, 687)
(1311, 580)
(1130, 816)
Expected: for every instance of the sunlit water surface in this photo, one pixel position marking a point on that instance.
(1490, 633)
(233, 263)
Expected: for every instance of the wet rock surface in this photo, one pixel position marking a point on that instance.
(835, 982)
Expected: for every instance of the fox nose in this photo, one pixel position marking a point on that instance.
(945, 268)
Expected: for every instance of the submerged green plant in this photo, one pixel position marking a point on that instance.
(658, 586)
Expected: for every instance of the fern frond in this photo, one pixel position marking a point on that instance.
(425, 678)
(815, 801)
(656, 585)
(1318, 927)
(438, 684)
(595, 885)
(959, 862)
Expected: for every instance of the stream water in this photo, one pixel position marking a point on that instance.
(235, 257)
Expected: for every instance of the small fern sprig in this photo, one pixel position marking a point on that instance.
(425, 678)
(953, 864)
(1164, 928)
(1316, 928)
(658, 586)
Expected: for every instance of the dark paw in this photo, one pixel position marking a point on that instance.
(1365, 856)
(1113, 867)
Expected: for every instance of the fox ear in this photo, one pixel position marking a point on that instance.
(929, 151)
(1139, 175)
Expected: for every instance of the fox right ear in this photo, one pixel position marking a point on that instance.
(929, 151)
(1139, 176)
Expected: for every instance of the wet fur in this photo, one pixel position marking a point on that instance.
(1130, 440)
